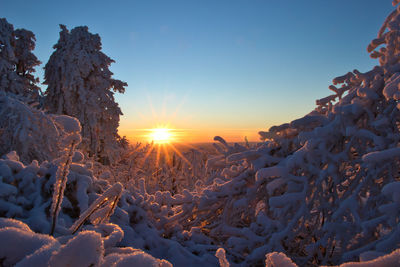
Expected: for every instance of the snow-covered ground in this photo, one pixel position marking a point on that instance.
(321, 190)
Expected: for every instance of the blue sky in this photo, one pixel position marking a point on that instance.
(215, 67)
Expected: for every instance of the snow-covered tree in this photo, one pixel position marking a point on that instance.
(26, 61)
(17, 62)
(80, 85)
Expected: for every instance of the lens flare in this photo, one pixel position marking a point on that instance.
(160, 135)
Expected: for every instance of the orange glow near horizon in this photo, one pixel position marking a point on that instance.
(189, 135)
(160, 135)
(163, 123)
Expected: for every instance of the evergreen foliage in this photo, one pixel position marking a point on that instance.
(80, 85)
(17, 62)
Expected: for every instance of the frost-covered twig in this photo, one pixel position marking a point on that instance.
(72, 127)
(59, 186)
(101, 209)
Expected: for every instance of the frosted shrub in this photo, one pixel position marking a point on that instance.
(87, 204)
(175, 172)
(32, 133)
(322, 188)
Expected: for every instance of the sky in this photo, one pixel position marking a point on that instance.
(214, 67)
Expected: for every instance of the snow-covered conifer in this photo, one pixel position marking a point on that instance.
(26, 61)
(79, 84)
(17, 62)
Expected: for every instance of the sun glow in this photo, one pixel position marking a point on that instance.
(160, 135)
(165, 145)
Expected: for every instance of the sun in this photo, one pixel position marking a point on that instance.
(160, 135)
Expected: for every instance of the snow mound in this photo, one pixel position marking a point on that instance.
(16, 243)
(22, 247)
(85, 249)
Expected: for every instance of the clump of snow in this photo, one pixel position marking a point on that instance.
(137, 258)
(40, 257)
(69, 124)
(78, 157)
(278, 259)
(392, 259)
(16, 243)
(85, 249)
(6, 222)
(220, 254)
(379, 156)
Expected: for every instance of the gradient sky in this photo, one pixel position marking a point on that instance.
(214, 67)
